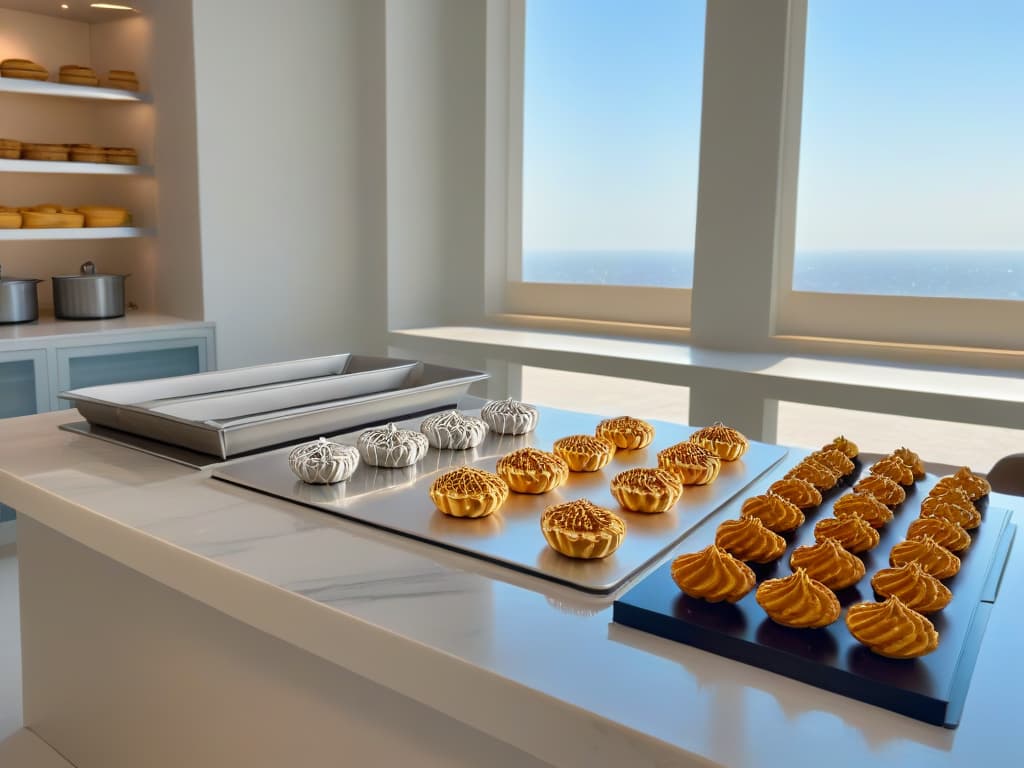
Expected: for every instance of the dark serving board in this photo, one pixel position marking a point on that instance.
(931, 688)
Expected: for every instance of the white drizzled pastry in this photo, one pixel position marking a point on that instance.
(453, 431)
(323, 462)
(510, 417)
(391, 447)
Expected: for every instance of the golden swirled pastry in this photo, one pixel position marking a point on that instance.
(585, 453)
(893, 468)
(713, 575)
(864, 505)
(946, 533)
(726, 443)
(814, 472)
(935, 559)
(835, 460)
(581, 529)
(956, 508)
(797, 491)
(848, 447)
(912, 460)
(646, 490)
(918, 589)
(749, 539)
(468, 492)
(885, 490)
(626, 432)
(775, 512)
(798, 601)
(529, 470)
(828, 563)
(853, 532)
(952, 494)
(690, 463)
(891, 629)
(975, 486)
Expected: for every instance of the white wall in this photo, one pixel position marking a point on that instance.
(289, 130)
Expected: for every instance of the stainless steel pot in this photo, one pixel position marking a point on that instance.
(19, 300)
(88, 295)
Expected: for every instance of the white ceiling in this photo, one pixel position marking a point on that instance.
(77, 10)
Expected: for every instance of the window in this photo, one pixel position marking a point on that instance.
(610, 130)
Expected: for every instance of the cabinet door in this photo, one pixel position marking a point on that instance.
(115, 363)
(23, 384)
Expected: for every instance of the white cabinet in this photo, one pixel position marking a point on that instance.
(24, 383)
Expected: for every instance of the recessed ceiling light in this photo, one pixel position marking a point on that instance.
(64, 6)
(111, 7)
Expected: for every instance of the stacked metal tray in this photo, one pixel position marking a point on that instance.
(227, 413)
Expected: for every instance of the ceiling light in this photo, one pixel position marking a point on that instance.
(111, 7)
(64, 6)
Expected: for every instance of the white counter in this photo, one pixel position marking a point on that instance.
(521, 660)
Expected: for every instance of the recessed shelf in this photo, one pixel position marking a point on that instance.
(44, 88)
(53, 166)
(79, 233)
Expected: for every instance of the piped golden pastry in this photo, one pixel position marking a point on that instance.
(891, 629)
(912, 460)
(726, 443)
(848, 447)
(955, 507)
(626, 432)
(468, 492)
(935, 559)
(798, 601)
(690, 463)
(885, 490)
(713, 575)
(529, 470)
(893, 468)
(974, 485)
(748, 539)
(918, 589)
(581, 529)
(585, 453)
(863, 505)
(835, 460)
(853, 532)
(944, 532)
(828, 563)
(817, 474)
(797, 491)
(647, 490)
(775, 512)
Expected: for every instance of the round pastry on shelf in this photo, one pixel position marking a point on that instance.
(799, 492)
(323, 462)
(891, 629)
(934, 559)
(726, 443)
(585, 453)
(748, 539)
(885, 490)
(828, 563)
(841, 443)
(975, 486)
(453, 431)
(918, 589)
(690, 463)
(646, 490)
(912, 460)
(814, 472)
(530, 470)
(893, 468)
(835, 460)
(798, 601)
(626, 432)
(945, 533)
(510, 417)
(713, 575)
(862, 505)
(391, 447)
(853, 532)
(468, 492)
(775, 512)
(581, 529)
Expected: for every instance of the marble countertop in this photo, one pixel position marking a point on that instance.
(526, 661)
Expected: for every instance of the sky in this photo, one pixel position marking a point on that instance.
(912, 134)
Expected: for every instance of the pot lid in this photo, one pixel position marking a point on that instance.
(87, 271)
(4, 279)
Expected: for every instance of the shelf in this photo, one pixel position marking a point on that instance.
(52, 166)
(79, 233)
(43, 88)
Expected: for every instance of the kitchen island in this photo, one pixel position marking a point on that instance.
(171, 619)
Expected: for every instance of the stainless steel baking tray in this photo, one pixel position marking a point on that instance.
(397, 500)
(225, 413)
